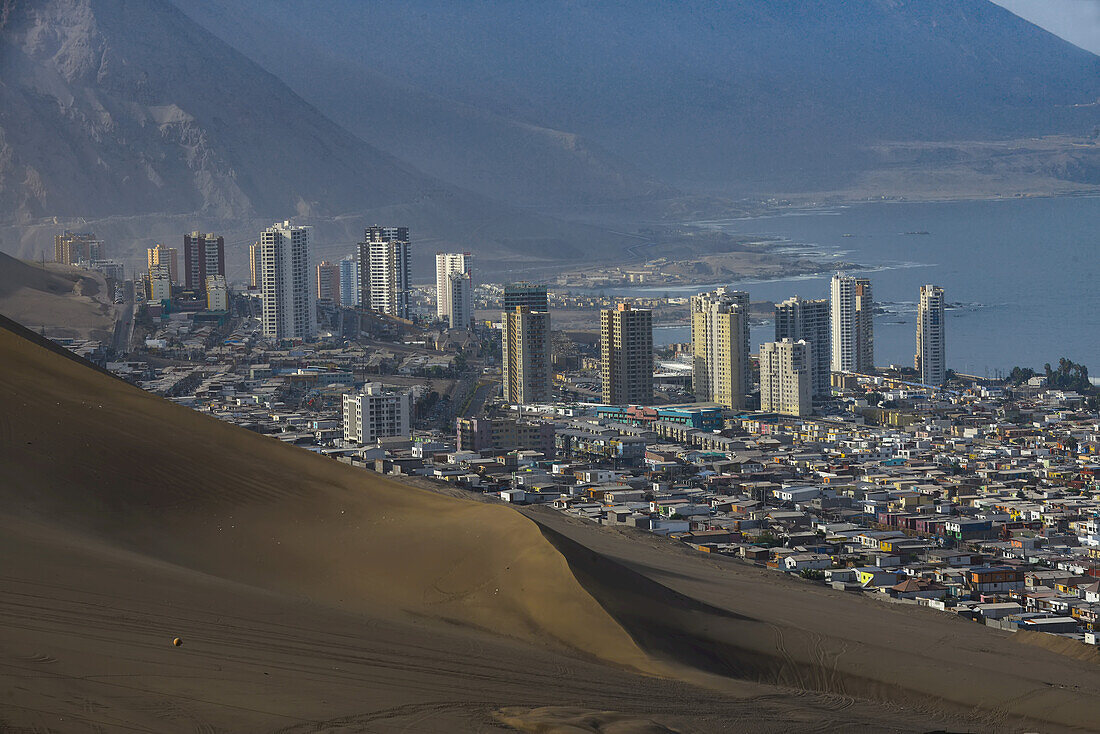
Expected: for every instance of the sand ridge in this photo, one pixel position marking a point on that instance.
(313, 595)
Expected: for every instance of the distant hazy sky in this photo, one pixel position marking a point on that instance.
(1077, 21)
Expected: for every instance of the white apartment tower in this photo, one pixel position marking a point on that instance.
(376, 413)
(160, 283)
(447, 263)
(287, 283)
(527, 370)
(458, 292)
(217, 293)
(720, 347)
(930, 359)
(384, 270)
(786, 377)
(798, 319)
(853, 340)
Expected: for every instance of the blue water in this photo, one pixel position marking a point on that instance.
(1024, 273)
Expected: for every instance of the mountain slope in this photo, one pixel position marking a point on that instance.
(465, 144)
(747, 95)
(131, 116)
(98, 119)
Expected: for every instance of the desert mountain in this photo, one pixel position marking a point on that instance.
(136, 119)
(747, 96)
(312, 595)
(464, 143)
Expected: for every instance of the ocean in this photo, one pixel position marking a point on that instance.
(1020, 275)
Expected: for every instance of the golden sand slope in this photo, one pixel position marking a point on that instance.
(99, 456)
(310, 595)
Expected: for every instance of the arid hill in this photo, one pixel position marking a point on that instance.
(311, 596)
(63, 300)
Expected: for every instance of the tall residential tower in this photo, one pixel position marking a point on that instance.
(853, 336)
(626, 349)
(446, 264)
(384, 265)
(528, 375)
(798, 319)
(720, 347)
(160, 255)
(786, 377)
(930, 359)
(287, 283)
(203, 256)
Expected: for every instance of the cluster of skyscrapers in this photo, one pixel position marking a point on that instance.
(626, 343)
(202, 277)
(813, 339)
(376, 276)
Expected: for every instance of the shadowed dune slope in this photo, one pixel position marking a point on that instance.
(98, 456)
(313, 596)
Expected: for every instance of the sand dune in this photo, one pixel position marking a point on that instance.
(63, 300)
(311, 596)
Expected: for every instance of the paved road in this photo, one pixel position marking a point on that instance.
(481, 394)
(124, 325)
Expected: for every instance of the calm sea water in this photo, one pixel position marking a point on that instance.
(1024, 274)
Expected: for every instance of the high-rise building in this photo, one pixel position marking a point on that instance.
(203, 255)
(527, 370)
(286, 286)
(384, 265)
(72, 247)
(852, 324)
(160, 255)
(931, 357)
(376, 413)
(720, 347)
(458, 292)
(349, 281)
(798, 319)
(786, 377)
(159, 284)
(328, 281)
(447, 263)
(255, 268)
(217, 293)
(626, 349)
(526, 294)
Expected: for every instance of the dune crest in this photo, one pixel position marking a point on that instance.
(211, 497)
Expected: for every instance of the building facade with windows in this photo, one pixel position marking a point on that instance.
(931, 357)
(786, 377)
(626, 351)
(798, 319)
(377, 413)
(852, 325)
(721, 371)
(203, 256)
(289, 308)
(527, 369)
(384, 270)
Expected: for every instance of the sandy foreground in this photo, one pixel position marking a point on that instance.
(310, 596)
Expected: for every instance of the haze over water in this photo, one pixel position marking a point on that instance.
(1025, 272)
